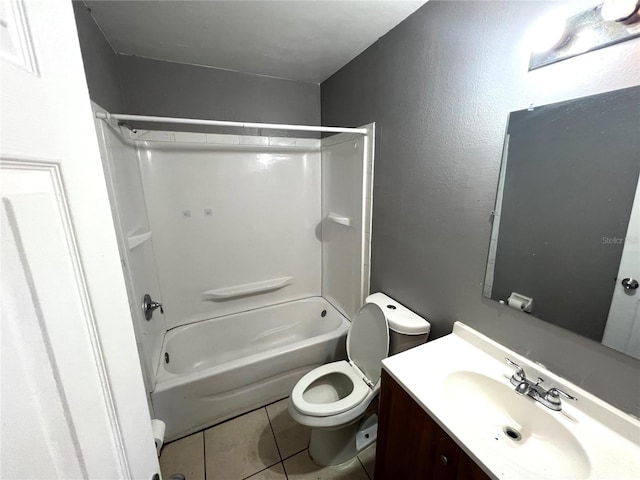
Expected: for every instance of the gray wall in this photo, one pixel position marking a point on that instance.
(153, 87)
(571, 178)
(440, 87)
(100, 62)
(134, 85)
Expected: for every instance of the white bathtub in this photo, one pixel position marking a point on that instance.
(226, 366)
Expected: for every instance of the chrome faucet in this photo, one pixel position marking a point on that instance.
(549, 398)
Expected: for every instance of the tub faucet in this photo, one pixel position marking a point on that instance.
(549, 398)
(148, 306)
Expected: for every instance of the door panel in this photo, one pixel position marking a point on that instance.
(34, 406)
(73, 400)
(622, 331)
(44, 317)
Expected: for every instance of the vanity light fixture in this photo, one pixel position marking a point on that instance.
(554, 38)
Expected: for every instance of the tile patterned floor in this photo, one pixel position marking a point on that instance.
(265, 444)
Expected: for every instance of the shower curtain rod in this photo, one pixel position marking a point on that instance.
(221, 123)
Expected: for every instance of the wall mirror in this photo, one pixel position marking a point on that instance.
(565, 239)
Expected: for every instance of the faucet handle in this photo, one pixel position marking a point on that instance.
(556, 392)
(552, 398)
(519, 375)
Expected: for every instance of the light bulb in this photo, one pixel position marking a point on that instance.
(618, 10)
(547, 33)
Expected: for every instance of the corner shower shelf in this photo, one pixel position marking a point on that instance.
(247, 289)
(340, 219)
(138, 239)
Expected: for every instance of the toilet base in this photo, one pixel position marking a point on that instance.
(339, 445)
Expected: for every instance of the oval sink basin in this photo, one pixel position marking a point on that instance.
(528, 432)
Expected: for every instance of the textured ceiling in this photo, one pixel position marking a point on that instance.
(299, 40)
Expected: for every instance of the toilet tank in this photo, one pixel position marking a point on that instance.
(406, 328)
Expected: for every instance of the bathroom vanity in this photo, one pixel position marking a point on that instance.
(412, 445)
(449, 410)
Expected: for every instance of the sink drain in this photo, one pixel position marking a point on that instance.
(512, 433)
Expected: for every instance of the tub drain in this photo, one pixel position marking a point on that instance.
(512, 433)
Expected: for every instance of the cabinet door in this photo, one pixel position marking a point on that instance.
(469, 470)
(446, 454)
(405, 442)
(411, 445)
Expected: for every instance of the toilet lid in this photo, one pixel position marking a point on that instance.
(368, 340)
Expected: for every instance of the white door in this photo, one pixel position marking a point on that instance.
(622, 331)
(73, 400)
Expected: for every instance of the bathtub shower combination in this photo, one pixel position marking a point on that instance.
(245, 359)
(258, 250)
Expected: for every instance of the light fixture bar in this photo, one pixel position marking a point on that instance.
(585, 32)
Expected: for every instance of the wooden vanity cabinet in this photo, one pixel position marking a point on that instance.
(411, 445)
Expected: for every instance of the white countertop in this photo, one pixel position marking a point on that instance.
(588, 439)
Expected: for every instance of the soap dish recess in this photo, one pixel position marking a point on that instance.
(247, 289)
(340, 219)
(138, 239)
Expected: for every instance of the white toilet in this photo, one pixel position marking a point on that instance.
(334, 399)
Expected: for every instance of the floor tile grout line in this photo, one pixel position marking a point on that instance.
(363, 467)
(296, 453)
(202, 430)
(273, 432)
(260, 471)
(275, 439)
(204, 445)
(204, 455)
(282, 458)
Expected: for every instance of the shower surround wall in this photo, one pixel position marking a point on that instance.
(346, 248)
(440, 87)
(128, 207)
(228, 219)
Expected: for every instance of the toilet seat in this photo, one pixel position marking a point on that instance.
(357, 395)
(367, 345)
